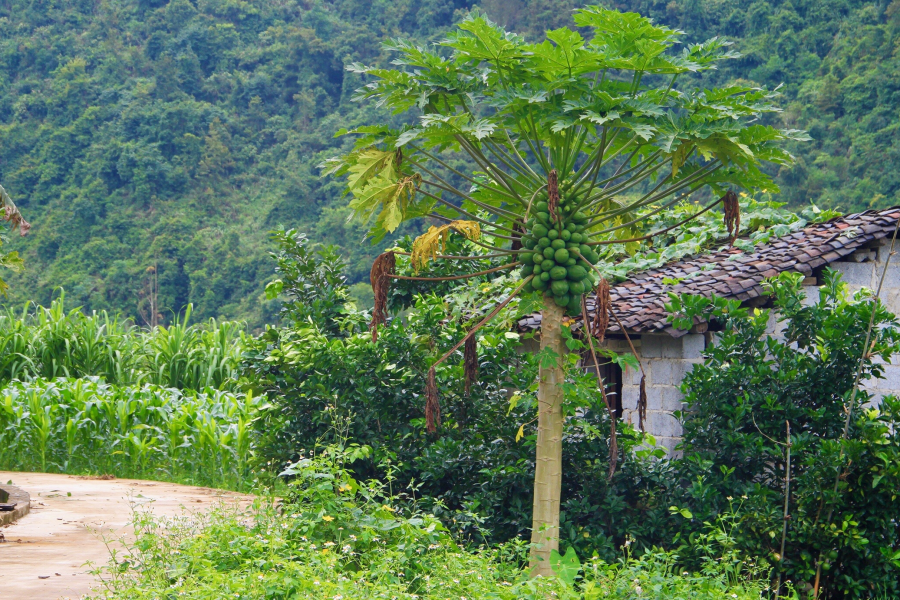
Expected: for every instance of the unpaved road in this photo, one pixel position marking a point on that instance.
(45, 552)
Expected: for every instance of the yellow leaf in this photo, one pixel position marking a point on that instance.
(426, 246)
(521, 433)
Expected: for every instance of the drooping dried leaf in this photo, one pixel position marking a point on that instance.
(732, 214)
(613, 447)
(470, 362)
(432, 406)
(553, 194)
(517, 242)
(601, 310)
(380, 276)
(642, 402)
(434, 241)
(12, 215)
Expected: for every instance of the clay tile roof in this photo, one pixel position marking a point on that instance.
(640, 301)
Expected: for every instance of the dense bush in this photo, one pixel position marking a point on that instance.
(52, 342)
(476, 473)
(338, 537)
(84, 426)
(843, 507)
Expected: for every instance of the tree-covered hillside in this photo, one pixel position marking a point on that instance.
(154, 144)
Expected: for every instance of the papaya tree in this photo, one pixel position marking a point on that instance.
(542, 155)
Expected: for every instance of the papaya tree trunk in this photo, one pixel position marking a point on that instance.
(548, 459)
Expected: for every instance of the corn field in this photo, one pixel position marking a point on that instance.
(51, 342)
(86, 426)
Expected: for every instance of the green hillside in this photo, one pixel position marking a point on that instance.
(154, 144)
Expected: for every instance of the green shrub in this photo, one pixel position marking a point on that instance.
(844, 505)
(87, 426)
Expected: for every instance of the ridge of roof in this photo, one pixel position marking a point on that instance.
(639, 301)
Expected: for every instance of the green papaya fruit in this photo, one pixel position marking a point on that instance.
(576, 287)
(558, 273)
(576, 273)
(559, 288)
(561, 256)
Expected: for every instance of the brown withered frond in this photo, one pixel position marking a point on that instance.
(517, 242)
(470, 362)
(642, 402)
(11, 214)
(732, 215)
(432, 406)
(601, 310)
(380, 276)
(553, 194)
(426, 246)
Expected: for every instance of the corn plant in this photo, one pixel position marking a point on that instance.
(52, 342)
(148, 431)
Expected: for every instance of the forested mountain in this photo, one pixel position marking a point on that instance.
(151, 141)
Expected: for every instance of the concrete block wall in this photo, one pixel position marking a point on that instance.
(666, 360)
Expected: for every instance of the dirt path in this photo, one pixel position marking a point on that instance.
(45, 552)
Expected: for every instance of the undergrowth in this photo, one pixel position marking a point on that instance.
(338, 538)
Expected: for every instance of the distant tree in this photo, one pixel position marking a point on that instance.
(572, 143)
(11, 215)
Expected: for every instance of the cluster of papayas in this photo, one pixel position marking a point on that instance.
(555, 245)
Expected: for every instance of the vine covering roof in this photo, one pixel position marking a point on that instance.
(728, 272)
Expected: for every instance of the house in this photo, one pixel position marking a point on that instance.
(856, 245)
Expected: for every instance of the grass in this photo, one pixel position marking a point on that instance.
(337, 538)
(80, 426)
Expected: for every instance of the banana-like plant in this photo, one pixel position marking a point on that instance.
(540, 153)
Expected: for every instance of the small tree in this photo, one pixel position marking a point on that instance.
(544, 155)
